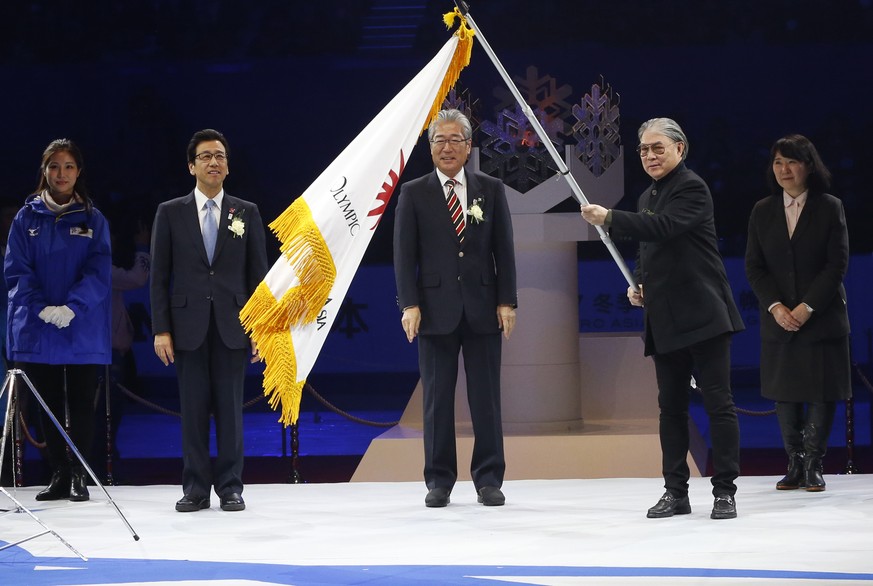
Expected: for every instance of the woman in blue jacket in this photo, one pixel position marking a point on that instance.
(57, 268)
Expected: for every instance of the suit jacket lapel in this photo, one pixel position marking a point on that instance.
(227, 203)
(474, 190)
(191, 221)
(804, 219)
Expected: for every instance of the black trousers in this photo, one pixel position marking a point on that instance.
(710, 363)
(438, 364)
(211, 380)
(48, 379)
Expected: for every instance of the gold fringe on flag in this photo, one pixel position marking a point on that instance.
(268, 319)
(307, 252)
(280, 384)
(460, 60)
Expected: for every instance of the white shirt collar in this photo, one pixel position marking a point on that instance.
(799, 200)
(200, 199)
(460, 178)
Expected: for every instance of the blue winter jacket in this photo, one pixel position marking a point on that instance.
(58, 260)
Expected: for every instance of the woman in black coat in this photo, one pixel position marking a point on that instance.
(796, 257)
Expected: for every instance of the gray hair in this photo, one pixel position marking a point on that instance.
(669, 128)
(444, 116)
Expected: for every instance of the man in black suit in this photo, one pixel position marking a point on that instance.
(454, 264)
(690, 313)
(208, 256)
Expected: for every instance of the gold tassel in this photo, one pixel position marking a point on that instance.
(460, 59)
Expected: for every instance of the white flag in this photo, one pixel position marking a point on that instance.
(326, 231)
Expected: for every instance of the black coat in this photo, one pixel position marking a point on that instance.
(811, 364)
(686, 292)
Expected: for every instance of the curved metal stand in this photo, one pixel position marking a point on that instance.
(8, 385)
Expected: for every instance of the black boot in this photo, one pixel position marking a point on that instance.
(795, 478)
(819, 418)
(58, 488)
(79, 485)
(790, 416)
(812, 471)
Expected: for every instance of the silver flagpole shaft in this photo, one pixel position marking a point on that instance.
(562, 166)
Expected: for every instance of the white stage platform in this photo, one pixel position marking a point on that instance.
(551, 532)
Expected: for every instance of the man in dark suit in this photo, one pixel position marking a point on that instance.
(208, 256)
(690, 313)
(454, 264)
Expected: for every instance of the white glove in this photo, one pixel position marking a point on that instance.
(46, 314)
(63, 315)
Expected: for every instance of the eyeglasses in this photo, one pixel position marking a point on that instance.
(441, 142)
(658, 148)
(207, 157)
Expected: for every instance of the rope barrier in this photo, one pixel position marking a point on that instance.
(331, 407)
(863, 378)
(740, 410)
(260, 398)
(166, 411)
(345, 414)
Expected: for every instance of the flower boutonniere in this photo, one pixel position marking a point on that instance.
(237, 225)
(476, 213)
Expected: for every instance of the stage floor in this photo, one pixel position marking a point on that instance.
(555, 532)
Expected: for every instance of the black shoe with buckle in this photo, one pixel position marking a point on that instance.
(668, 506)
(724, 507)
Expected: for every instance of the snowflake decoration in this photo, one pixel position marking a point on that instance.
(598, 143)
(512, 151)
(541, 93)
(465, 103)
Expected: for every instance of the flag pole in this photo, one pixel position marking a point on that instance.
(464, 9)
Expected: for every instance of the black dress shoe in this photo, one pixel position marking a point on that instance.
(79, 486)
(189, 504)
(58, 488)
(437, 497)
(668, 506)
(233, 502)
(724, 507)
(491, 496)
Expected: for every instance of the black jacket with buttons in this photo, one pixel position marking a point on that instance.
(686, 291)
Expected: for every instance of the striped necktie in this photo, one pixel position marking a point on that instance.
(455, 210)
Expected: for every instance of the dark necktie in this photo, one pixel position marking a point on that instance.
(210, 230)
(455, 210)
